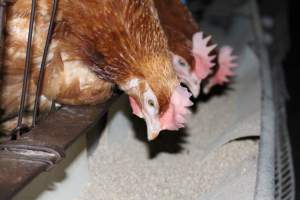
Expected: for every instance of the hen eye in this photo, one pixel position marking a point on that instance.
(151, 102)
(181, 63)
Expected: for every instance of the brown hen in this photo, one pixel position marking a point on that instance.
(122, 43)
(67, 79)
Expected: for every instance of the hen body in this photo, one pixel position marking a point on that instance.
(98, 43)
(126, 35)
(176, 15)
(67, 79)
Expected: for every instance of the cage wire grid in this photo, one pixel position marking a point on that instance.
(284, 171)
(275, 178)
(20, 127)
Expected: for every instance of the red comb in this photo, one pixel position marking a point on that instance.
(226, 63)
(201, 52)
(176, 115)
(225, 71)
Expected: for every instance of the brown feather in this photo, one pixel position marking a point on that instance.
(176, 15)
(180, 45)
(56, 85)
(127, 35)
(180, 26)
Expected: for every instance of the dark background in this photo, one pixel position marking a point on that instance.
(292, 74)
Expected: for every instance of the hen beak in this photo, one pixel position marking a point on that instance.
(195, 89)
(193, 83)
(207, 87)
(153, 127)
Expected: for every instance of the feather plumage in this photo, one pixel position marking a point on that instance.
(176, 15)
(128, 36)
(66, 79)
(110, 42)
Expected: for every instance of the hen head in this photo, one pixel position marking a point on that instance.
(182, 59)
(149, 103)
(186, 75)
(123, 42)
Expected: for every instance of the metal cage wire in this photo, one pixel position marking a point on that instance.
(22, 158)
(20, 128)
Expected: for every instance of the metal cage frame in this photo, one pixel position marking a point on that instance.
(275, 176)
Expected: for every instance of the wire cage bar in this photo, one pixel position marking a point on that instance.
(275, 177)
(20, 126)
(43, 64)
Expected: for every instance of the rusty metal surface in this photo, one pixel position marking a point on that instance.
(16, 173)
(41, 148)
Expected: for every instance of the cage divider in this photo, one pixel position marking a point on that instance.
(26, 75)
(43, 64)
